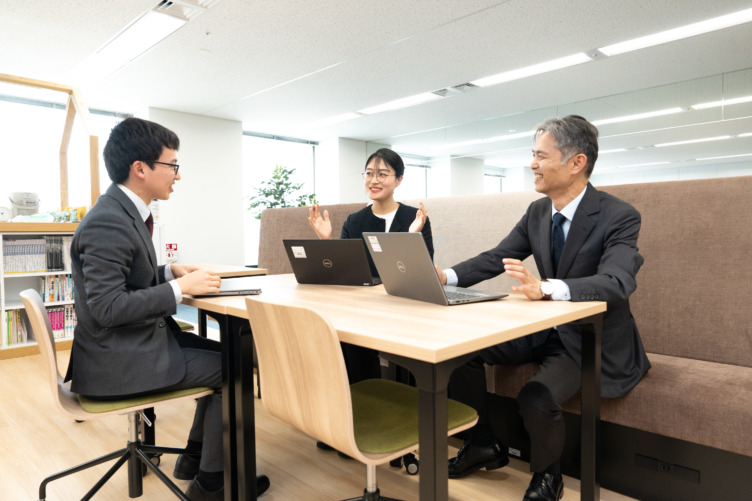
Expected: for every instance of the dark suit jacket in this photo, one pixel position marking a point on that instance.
(364, 221)
(124, 341)
(599, 262)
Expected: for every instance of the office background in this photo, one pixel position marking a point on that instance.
(314, 71)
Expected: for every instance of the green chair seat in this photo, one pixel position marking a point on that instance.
(99, 406)
(385, 415)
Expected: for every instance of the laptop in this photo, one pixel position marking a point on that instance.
(407, 271)
(329, 262)
(239, 286)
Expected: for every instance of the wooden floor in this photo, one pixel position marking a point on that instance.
(36, 440)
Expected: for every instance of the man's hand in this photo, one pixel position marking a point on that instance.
(421, 216)
(441, 274)
(179, 270)
(529, 284)
(321, 225)
(199, 282)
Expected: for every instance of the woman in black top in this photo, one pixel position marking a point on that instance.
(383, 174)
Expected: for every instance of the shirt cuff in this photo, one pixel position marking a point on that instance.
(561, 290)
(176, 290)
(451, 277)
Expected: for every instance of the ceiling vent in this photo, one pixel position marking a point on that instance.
(184, 9)
(457, 89)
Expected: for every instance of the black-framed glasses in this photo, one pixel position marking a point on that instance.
(175, 167)
(381, 175)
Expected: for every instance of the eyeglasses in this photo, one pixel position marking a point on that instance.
(174, 166)
(381, 176)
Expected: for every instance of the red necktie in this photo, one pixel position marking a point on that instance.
(150, 224)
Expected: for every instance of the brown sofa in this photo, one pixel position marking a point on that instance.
(685, 431)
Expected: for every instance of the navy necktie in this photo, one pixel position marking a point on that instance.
(557, 239)
(150, 224)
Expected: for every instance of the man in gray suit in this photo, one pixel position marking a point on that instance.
(584, 243)
(126, 343)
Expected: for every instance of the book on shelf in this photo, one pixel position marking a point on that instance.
(15, 328)
(37, 255)
(56, 288)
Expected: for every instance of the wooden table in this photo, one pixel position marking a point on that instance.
(428, 339)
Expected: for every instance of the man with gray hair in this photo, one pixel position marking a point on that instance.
(584, 243)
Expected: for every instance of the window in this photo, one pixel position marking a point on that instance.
(261, 154)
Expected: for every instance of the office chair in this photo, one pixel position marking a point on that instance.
(305, 385)
(135, 453)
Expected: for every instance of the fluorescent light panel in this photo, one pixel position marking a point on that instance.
(726, 156)
(638, 116)
(692, 141)
(690, 30)
(405, 102)
(337, 119)
(536, 69)
(137, 38)
(722, 102)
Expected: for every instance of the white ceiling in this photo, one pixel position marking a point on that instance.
(281, 66)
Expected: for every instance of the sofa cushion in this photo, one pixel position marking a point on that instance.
(703, 402)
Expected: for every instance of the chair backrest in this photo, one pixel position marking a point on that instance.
(304, 377)
(40, 325)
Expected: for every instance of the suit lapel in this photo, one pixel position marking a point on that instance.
(140, 227)
(582, 226)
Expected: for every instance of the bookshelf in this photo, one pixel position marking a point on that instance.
(21, 268)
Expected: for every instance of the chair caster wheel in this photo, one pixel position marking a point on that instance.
(396, 463)
(412, 466)
(155, 459)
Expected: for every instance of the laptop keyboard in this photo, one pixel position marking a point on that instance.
(459, 296)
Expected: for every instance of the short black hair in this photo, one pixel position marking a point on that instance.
(574, 135)
(389, 157)
(136, 139)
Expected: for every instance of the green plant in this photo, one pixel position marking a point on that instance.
(279, 191)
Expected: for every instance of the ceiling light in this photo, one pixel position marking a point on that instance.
(746, 134)
(535, 69)
(337, 119)
(690, 30)
(722, 102)
(137, 38)
(691, 141)
(726, 156)
(638, 116)
(494, 139)
(615, 150)
(642, 165)
(405, 102)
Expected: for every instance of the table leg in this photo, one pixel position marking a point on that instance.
(432, 380)
(245, 419)
(238, 419)
(591, 408)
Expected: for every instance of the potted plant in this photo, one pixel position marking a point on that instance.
(279, 191)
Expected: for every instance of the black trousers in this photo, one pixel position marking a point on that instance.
(540, 399)
(203, 359)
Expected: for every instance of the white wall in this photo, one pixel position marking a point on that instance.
(466, 176)
(204, 215)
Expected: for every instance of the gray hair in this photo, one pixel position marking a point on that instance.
(574, 135)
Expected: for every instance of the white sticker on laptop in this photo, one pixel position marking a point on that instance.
(375, 247)
(298, 251)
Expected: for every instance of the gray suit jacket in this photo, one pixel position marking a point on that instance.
(599, 262)
(124, 341)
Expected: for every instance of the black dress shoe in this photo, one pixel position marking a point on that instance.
(474, 457)
(186, 466)
(262, 484)
(196, 492)
(323, 446)
(544, 487)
